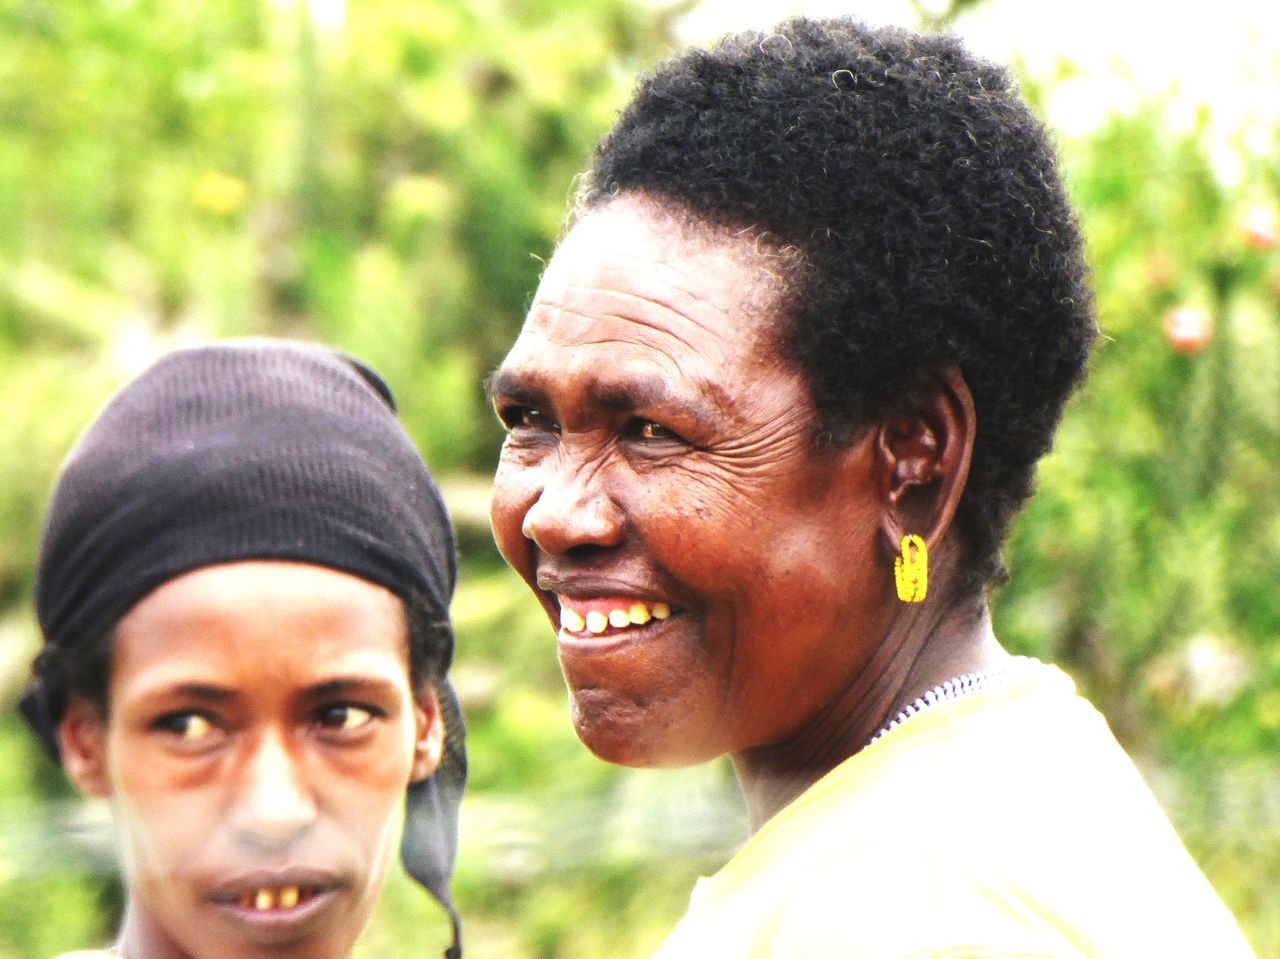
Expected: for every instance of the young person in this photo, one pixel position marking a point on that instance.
(243, 588)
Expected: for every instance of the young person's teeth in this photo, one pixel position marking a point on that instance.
(638, 614)
(661, 610)
(597, 622)
(570, 620)
(264, 900)
(288, 897)
(619, 618)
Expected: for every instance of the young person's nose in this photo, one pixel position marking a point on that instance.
(273, 804)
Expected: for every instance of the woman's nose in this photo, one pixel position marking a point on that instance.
(273, 806)
(573, 509)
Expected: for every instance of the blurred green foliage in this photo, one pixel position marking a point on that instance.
(385, 176)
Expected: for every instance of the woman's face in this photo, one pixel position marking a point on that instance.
(261, 733)
(709, 567)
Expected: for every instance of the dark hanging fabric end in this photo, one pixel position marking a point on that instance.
(455, 950)
(34, 707)
(430, 841)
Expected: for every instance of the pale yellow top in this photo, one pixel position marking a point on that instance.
(1007, 824)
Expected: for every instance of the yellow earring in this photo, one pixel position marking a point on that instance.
(911, 573)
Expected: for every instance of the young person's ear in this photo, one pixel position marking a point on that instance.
(82, 742)
(428, 744)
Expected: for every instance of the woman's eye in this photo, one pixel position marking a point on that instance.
(525, 417)
(649, 430)
(345, 717)
(189, 727)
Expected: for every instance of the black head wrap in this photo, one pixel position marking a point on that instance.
(252, 449)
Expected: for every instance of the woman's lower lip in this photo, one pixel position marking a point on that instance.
(281, 924)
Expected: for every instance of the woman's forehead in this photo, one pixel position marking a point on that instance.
(626, 282)
(633, 240)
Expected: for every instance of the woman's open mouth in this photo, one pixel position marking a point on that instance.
(608, 616)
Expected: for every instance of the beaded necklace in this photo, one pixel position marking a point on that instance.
(944, 692)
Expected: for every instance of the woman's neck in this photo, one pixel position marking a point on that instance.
(925, 646)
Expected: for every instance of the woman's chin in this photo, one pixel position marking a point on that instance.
(644, 734)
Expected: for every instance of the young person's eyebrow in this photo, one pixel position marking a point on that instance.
(206, 692)
(348, 686)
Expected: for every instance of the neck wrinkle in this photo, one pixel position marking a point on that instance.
(924, 646)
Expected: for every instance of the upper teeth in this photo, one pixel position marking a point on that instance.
(263, 899)
(597, 621)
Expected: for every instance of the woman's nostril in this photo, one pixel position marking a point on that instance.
(571, 517)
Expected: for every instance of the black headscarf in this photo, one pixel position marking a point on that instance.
(252, 449)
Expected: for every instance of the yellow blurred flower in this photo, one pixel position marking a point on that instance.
(219, 193)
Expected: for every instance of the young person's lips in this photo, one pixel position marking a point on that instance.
(278, 906)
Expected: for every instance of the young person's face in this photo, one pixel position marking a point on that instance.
(261, 731)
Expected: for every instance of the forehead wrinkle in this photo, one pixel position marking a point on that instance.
(503, 379)
(627, 391)
(720, 323)
(683, 257)
(603, 339)
(539, 325)
(529, 385)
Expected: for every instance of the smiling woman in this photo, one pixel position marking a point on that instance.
(777, 399)
(243, 588)
(668, 436)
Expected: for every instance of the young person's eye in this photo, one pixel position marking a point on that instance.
(188, 727)
(345, 717)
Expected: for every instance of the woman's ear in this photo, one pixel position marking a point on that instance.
(924, 451)
(428, 743)
(82, 743)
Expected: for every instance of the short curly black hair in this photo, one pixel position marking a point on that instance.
(924, 203)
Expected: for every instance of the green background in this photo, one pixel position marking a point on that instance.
(391, 184)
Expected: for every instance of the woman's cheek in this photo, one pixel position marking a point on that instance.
(514, 493)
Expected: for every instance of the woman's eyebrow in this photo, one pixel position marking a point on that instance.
(655, 393)
(619, 394)
(506, 383)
